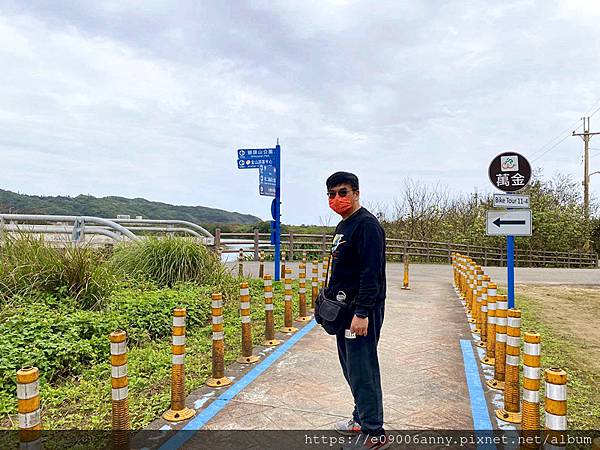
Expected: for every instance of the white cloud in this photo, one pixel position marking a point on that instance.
(151, 99)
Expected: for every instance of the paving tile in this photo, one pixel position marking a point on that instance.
(423, 379)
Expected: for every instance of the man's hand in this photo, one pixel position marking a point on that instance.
(359, 325)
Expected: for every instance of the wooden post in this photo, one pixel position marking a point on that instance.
(256, 249)
(323, 244)
(428, 254)
(449, 253)
(485, 261)
(291, 245)
(405, 251)
(217, 240)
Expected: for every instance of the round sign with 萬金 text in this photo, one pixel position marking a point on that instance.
(509, 172)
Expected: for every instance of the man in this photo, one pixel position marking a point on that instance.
(358, 270)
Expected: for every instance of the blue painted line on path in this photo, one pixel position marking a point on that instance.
(183, 435)
(479, 408)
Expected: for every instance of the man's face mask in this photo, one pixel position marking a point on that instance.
(340, 200)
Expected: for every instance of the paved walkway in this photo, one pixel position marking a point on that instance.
(423, 377)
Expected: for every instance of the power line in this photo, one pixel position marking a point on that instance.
(554, 146)
(569, 129)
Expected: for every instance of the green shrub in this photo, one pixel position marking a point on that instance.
(148, 315)
(169, 260)
(60, 343)
(30, 265)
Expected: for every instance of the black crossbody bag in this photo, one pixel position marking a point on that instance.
(333, 315)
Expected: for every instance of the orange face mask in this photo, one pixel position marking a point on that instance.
(341, 205)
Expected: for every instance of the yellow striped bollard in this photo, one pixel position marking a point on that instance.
(483, 318)
(241, 263)
(500, 351)
(288, 326)
(555, 406)
(304, 257)
(470, 291)
(303, 317)
(315, 283)
(283, 264)
(531, 386)
(261, 266)
(28, 407)
(511, 412)
(490, 349)
(247, 357)
(120, 389)
(325, 270)
(218, 377)
(476, 308)
(269, 320)
(178, 410)
(462, 282)
(405, 277)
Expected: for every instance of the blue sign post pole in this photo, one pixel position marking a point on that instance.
(277, 212)
(510, 267)
(510, 270)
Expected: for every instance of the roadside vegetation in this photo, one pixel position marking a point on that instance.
(431, 213)
(60, 322)
(570, 340)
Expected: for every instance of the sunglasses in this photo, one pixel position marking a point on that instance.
(342, 193)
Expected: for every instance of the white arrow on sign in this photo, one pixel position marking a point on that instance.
(508, 223)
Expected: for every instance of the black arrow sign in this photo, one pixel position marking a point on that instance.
(499, 222)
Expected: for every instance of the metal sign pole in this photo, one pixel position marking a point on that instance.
(510, 267)
(510, 270)
(277, 211)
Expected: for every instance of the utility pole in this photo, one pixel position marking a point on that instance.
(586, 135)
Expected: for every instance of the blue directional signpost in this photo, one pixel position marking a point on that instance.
(510, 172)
(268, 163)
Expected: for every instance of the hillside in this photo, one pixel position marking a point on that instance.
(110, 207)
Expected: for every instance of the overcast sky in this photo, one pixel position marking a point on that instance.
(151, 98)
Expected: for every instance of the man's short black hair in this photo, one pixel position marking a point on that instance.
(342, 177)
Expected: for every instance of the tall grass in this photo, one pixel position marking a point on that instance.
(30, 265)
(169, 260)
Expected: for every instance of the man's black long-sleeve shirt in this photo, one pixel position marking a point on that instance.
(358, 261)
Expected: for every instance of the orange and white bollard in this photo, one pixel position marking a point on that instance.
(471, 285)
(247, 357)
(531, 386)
(482, 318)
(261, 266)
(218, 377)
(269, 320)
(490, 345)
(178, 410)
(283, 263)
(405, 277)
(120, 389)
(315, 283)
(28, 407)
(241, 263)
(512, 390)
(302, 295)
(325, 271)
(287, 297)
(476, 307)
(555, 406)
(500, 351)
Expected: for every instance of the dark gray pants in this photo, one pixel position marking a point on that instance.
(360, 365)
